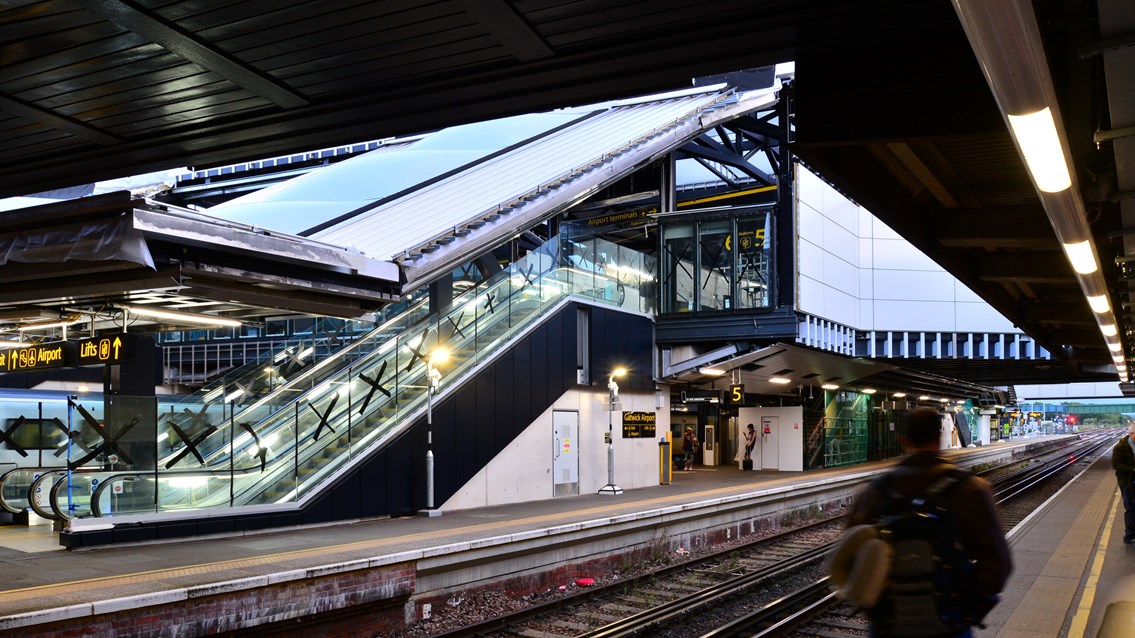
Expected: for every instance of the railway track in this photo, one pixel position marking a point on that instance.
(769, 587)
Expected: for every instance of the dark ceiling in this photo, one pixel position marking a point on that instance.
(891, 104)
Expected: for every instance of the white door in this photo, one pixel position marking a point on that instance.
(565, 458)
(770, 445)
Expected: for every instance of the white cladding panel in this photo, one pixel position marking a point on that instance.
(522, 472)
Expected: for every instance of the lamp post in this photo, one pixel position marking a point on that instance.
(437, 356)
(613, 396)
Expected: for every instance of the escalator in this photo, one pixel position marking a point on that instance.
(314, 432)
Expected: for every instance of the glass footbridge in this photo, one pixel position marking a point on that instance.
(263, 436)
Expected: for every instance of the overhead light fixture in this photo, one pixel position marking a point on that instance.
(899, 395)
(6, 344)
(830, 386)
(1040, 144)
(779, 380)
(70, 321)
(1114, 347)
(1081, 256)
(924, 397)
(868, 390)
(183, 317)
(944, 400)
(1108, 329)
(1099, 303)
(713, 372)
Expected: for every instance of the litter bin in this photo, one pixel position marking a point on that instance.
(665, 462)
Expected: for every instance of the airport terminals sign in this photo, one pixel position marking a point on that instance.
(110, 349)
(639, 425)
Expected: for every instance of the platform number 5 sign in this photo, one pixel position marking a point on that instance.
(737, 394)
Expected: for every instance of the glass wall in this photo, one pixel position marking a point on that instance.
(717, 264)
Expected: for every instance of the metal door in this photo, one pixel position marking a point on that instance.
(565, 459)
(770, 445)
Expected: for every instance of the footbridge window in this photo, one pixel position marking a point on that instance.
(717, 262)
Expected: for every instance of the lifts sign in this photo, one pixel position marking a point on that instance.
(41, 357)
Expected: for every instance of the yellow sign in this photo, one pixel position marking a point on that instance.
(639, 425)
(106, 350)
(40, 357)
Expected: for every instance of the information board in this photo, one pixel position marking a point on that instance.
(639, 425)
(39, 357)
(107, 350)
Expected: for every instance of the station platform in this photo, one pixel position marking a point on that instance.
(48, 591)
(1073, 575)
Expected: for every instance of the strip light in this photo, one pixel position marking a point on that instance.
(185, 317)
(1081, 256)
(1099, 303)
(1040, 144)
(46, 326)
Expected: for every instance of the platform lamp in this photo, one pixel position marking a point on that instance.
(613, 396)
(437, 356)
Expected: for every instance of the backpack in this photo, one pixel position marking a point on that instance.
(907, 570)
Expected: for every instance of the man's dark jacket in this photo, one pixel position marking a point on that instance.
(1123, 462)
(971, 502)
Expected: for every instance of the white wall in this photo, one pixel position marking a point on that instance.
(522, 472)
(855, 270)
(789, 436)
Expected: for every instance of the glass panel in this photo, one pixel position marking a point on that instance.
(274, 440)
(678, 269)
(754, 258)
(715, 284)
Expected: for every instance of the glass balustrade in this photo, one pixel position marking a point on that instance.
(280, 447)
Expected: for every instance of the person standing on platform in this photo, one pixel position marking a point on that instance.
(750, 441)
(689, 447)
(977, 522)
(1123, 462)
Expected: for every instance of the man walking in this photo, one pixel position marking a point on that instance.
(1123, 462)
(976, 524)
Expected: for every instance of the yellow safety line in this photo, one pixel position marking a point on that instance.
(1080, 620)
(173, 572)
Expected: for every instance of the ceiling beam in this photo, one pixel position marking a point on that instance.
(509, 28)
(133, 17)
(57, 122)
(994, 227)
(1036, 267)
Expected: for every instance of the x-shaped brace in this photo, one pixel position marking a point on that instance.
(323, 417)
(375, 386)
(110, 443)
(417, 352)
(6, 436)
(261, 453)
(456, 325)
(190, 443)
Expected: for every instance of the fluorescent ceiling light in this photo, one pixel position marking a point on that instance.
(1081, 256)
(1099, 303)
(46, 326)
(924, 397)
(899, 395)
(779, 380)
(944, 400)
(830, 386)
(7, 345)
(183, 317)
(868, 390)
(1040, 144)
(1114, 347)
(1108, 329)
(713, 372)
